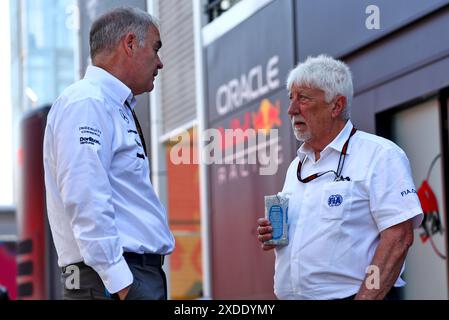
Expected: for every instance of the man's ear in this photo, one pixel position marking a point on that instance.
(129, 43)
(339, 106)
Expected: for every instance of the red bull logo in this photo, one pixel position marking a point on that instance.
(268, 116)
(250, 139)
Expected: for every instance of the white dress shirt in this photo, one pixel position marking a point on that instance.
(331, 243)
(100, 200)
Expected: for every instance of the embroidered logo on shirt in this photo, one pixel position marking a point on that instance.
(124, 116)
(407, 192)
(89, 140)
(89, 135)
(90, 131)
(335, 200)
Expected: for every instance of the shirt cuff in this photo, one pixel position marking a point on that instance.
(116, 277)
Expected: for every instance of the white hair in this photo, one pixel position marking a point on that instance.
(327, 74)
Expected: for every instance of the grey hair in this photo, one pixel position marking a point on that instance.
(109, 28)
(327, 74)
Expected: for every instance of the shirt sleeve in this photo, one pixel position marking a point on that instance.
(393, 196)
(83, 135)
(290, 177)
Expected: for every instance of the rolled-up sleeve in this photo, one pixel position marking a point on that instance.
(83, 135)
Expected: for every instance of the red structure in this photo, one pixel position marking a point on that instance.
(35, 252)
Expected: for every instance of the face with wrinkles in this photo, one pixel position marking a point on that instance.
(310, 114)
(147, 62)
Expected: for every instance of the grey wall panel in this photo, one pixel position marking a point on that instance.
(420, 83)
(423, 82)
(406, 66)
(177, 53)
(8, 223)
(420, 44)
(363, 111)
(337, 27)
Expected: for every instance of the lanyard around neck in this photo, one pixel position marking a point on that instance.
(341, 162)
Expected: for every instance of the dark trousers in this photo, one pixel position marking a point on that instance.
(149, 280)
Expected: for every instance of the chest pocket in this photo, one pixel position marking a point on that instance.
(131, 155)
(127, 162)
(336, 199)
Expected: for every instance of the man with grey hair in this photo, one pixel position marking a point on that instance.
(352, 200)
(110, 230)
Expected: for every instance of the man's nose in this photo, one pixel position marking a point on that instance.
(293, 108)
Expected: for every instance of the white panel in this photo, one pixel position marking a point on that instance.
(178, 75)
(6, 159)
(416, 131)
(231, 18)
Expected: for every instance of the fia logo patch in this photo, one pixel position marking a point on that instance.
(407, 192)
(335, 200)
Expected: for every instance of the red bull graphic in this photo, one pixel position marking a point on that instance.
(246, 141)
(266, 118)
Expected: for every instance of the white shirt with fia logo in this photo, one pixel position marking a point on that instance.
(334, 226)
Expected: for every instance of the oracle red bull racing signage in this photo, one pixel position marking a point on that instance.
(249, 129)
(247, 138)
(245, 119)
(259, 81)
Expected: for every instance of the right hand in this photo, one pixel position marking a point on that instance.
(264, 233)
(123, 293)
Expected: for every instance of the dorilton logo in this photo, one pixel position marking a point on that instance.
(89, 140)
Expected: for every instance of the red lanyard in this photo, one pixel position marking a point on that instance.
(337, 173)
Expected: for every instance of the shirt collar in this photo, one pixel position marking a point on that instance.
(117, 89)
(336, 144)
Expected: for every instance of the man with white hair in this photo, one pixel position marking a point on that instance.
(352, 200)
(110, 229)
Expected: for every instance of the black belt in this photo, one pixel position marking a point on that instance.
(150, 259)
